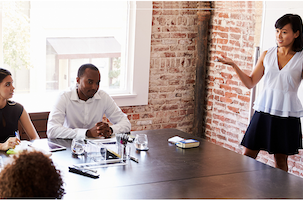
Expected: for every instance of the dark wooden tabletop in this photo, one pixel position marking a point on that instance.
(166, 171)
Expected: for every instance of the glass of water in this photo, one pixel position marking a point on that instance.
(141, 142)
(78, 146)
(96, 151)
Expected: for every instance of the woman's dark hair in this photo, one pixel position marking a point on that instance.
(31, 174)
(4, 73)
(296, 23)
(82, 69)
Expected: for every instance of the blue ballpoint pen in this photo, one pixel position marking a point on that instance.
(17, 134)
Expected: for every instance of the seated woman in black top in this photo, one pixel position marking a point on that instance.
(11, 113)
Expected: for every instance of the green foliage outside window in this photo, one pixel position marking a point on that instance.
(16, 35)
(115, 72)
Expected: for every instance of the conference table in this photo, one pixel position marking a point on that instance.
(167, 171)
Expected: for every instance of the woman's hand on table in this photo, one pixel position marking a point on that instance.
(10, 143)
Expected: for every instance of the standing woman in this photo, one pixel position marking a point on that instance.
(11, 113)
(275, 126)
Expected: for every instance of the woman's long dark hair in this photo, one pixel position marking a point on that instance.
(296, 23)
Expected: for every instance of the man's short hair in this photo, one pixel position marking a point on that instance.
(83, 67)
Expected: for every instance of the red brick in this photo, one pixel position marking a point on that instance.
(169, 54)
(136, 116)
(226, 75)
(221, 28)
(235, 30)
(229, 94)
(169, 126)
(221, 137)
(171, 107)
(233, 109)
(221, 118)
(225, 87)
(232, 82)
(220, 92)
(223, 15)
(222, 41)
(160, 35)
(244, 98)
(178, 35)
(163, 48)
(226, 100)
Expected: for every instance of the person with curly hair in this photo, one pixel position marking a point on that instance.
(31, 174)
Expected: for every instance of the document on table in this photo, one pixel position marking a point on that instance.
(27, 145)
(111, 140)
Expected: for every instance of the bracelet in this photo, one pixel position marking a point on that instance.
(111, 130)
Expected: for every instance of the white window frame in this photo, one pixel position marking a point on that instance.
(139, 55)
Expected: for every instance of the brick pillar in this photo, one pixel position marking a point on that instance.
(201, 68)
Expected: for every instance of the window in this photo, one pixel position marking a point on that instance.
(59, 36)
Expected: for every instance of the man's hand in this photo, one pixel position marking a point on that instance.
(100, 129)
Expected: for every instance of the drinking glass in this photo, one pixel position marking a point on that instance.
(124, 151)
(96, 151)
(78, 146)
(141, 142)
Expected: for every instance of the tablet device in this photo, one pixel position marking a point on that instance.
(47, 145)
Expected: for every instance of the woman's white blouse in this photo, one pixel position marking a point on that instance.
(279, 96)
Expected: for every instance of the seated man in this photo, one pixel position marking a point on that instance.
(78, 113)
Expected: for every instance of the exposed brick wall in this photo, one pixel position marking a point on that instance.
(234, 32)
(172, 69)
(231, 34)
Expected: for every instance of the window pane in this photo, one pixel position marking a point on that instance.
(45, 42)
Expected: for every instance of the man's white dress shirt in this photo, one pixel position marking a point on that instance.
(72, 117)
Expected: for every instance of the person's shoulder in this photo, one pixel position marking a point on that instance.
(102, 93)
(68, 93)
(264, 53)
(300, 53)
(269, 50)
(274, 48)
(14, 104)
(103, 96)
(262, 56)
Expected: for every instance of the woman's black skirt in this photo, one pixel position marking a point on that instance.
(273, 134)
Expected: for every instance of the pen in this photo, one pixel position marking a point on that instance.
(134, 159)
(109, 143)
(85, 169)
(17, 134)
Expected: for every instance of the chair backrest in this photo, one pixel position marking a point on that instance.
(40, 123)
